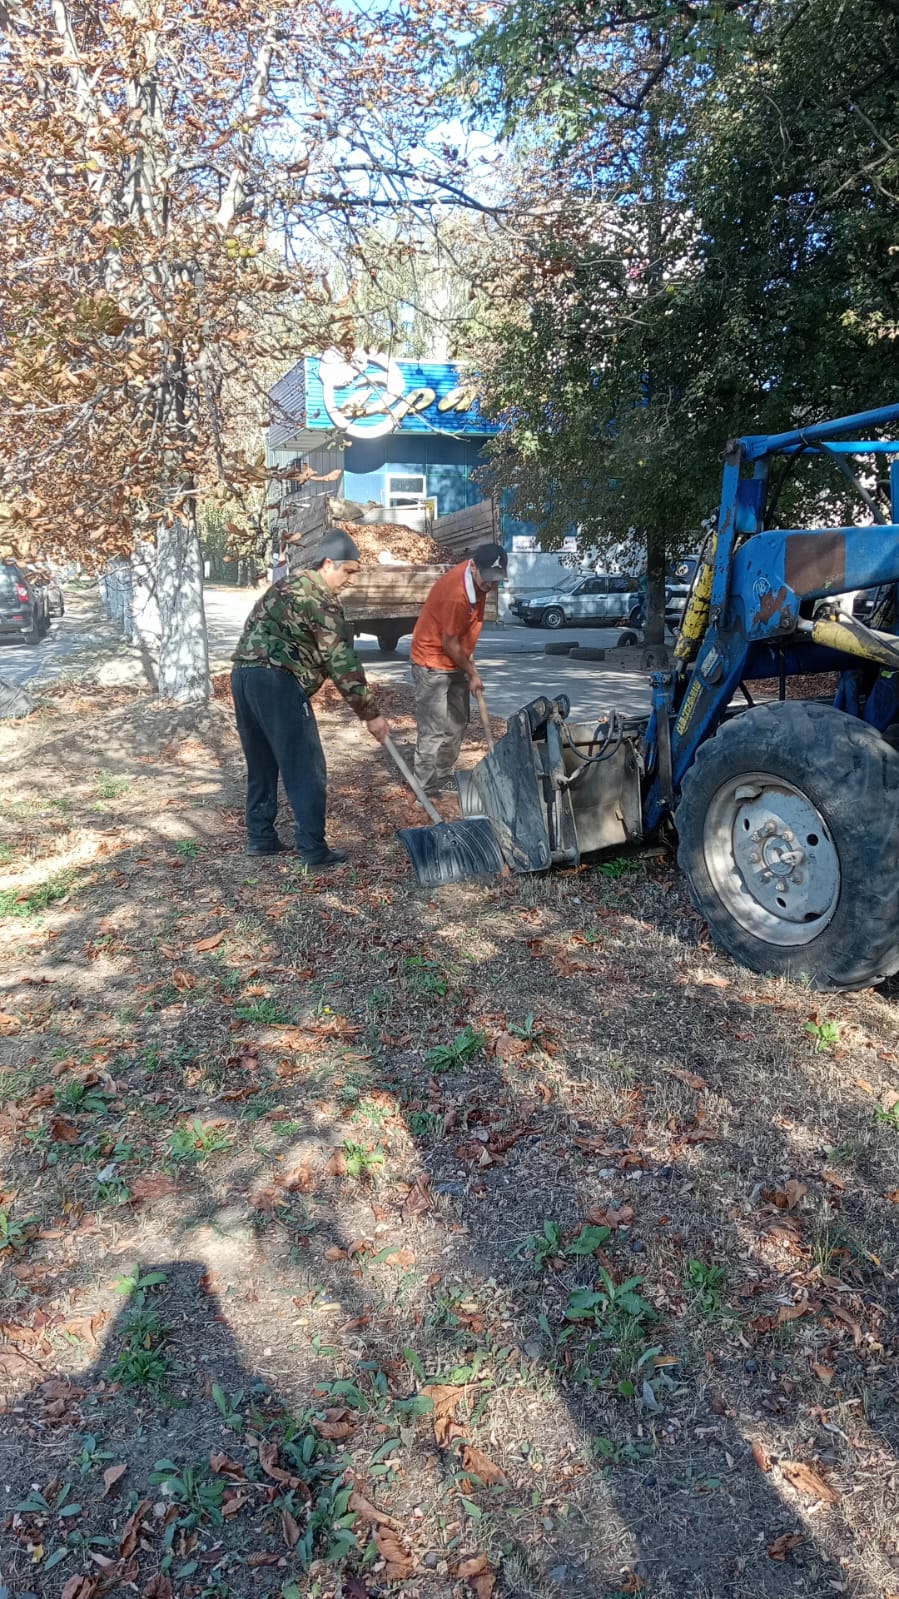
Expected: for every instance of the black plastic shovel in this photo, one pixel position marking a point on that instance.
(448, 852)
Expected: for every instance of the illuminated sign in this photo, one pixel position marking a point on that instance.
(368, 396)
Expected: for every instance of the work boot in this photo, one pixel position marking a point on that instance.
(277, 848)
(325, 857)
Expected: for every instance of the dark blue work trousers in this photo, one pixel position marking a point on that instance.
(279, 733)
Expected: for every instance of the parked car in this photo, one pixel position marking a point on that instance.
(44, 578)
(24, 611)
(595, 599)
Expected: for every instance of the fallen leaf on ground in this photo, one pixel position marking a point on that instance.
(508, 1047)
(761, 1457)
(290, 1529)
(64, 1131)
(80, 1587)
(220, 1463)
(598, 1216)
(184, 981)
(337, 1424)
(793, 1312)
(788, 1197)
(689, 1079)
(808, 1481)
(268, 1460)
(418, 1199)
(397, 1559)
(111, 1476)
(151, 1185)
(474, 1459)
(159, 1587)
(893, 1196)
(834, 1179)
(825, 1374)
(8, 1024)
(444, 1396)
(477, 1571)
(399, 1257)
(212, 942)
(369, 1512)
(336, 1166)
(780, 1548)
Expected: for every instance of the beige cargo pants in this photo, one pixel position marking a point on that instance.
(441, 711)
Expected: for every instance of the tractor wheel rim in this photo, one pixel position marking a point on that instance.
(771, 858)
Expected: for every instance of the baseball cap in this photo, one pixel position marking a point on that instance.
(491, 560)
(336, 546)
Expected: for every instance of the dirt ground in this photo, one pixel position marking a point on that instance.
(504, 1240)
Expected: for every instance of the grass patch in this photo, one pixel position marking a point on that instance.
(30, 902)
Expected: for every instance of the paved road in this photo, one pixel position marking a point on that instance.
(512, 660)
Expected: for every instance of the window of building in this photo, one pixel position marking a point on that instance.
(411, 489)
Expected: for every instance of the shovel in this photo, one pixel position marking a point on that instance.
(448, 852)
(485, 719)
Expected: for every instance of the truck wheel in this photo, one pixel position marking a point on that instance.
(554, 617)
(789, 838)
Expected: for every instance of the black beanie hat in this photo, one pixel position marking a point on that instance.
(336, 546)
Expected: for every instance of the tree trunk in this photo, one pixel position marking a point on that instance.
(145, 623)
(654, 627)
(183, 651)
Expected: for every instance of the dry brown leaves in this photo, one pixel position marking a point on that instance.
(159, 1587)
(788, 1197)
(338, 1423)
(490, 1474)
(79, 1587)
(148, 1186)
(780, 1548)
(398, 1563)
(599, 1216)
(477, 1571)
(809, 1482)
(268, 1460)
(689, 1079)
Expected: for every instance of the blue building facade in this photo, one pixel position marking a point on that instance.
(401, 433)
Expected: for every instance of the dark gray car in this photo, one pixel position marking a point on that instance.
(590, 599)
(24, 611)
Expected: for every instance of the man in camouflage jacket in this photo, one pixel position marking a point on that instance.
(296, 636)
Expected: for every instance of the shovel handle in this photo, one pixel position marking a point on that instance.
(485, 719)
(411, 779)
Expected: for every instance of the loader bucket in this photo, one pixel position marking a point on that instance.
(451, 852)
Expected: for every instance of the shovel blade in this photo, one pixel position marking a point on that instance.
(453, 851)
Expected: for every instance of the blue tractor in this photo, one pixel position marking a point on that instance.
(786, 812)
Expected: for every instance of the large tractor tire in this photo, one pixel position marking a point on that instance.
(788, 829)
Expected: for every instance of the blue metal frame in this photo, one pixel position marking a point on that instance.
(756, 594)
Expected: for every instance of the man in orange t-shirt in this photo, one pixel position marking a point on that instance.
(443, 669)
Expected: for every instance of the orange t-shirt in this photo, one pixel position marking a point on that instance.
(448, 609)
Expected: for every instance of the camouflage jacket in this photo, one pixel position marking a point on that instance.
(299, 624)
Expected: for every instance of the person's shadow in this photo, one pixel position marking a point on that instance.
(168, 1467)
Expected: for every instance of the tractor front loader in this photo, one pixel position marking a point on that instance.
(786, 812)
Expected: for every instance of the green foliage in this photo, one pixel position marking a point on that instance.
(825, 1034)
(266, 1011)
(360, 1160)
(450, 1057)
(187, 848)
(194, 1141)
(425, 977)
(16, 1234)
(707, 1283)
(74, 1096)
(194, 1489)
(715, 258)
(16, 902)
(548, 1245)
